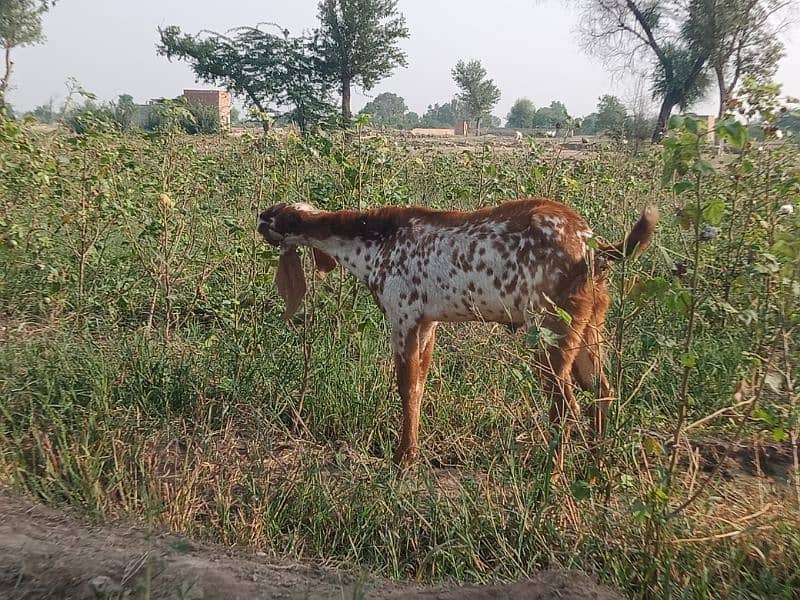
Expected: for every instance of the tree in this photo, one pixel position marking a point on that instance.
(554, 116)
(620, 31)
(442, 115)
(387, 110)
(44, 113)
(125, 112)
(611, 116)
(588, 124)
(478, 94)
(411, 120)
(273, 72)
(20, 25)
(521, 114)
(790, 122)
(745, 39)
(491, 120)
(358, 42)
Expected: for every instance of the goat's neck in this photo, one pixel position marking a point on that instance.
(352, 253)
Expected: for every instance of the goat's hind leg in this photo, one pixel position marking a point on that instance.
(588, 374)
(557, 382)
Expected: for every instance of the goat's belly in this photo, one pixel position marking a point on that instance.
(476, 299)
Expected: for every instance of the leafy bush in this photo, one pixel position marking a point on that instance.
(191, 117)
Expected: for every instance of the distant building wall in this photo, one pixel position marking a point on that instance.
(220, 99)
(431, 132)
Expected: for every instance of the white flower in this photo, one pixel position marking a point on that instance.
(786, 209)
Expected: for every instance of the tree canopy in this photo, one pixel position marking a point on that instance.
(611, 116)
(622, 31)
(684, 42)
(389, 110)
(745, 39)
(554, 116)
(274, 72)
(359, 43)
(521, 114)
(442, 115)
(478, 95)
(20, 25)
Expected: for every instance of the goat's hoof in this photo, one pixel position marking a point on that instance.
(404, 457)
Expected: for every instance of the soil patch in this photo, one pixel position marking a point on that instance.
(48, 553)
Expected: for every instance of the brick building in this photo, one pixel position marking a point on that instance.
(220, 99)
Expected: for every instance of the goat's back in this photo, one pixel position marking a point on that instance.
(492, 264)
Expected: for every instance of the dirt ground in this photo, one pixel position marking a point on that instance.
(47, 553)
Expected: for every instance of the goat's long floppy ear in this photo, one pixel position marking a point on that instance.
(290, 280)
(325, 263)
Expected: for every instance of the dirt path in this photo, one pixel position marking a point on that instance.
(45, 553)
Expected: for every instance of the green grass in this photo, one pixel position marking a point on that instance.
(145, 369)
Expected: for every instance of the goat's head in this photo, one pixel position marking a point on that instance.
(282, 225)
(282, 221)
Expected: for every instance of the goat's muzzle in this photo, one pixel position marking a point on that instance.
(266, 224)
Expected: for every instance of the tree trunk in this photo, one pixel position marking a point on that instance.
(6, 77)
(477, 127)
(723, 92)
(663, 116)
(347, 115)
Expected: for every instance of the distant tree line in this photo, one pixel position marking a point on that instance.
(123, 114)
(684, 47)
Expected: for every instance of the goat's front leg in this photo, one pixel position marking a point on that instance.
(408, 365)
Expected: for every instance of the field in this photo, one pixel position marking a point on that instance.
(146, 374)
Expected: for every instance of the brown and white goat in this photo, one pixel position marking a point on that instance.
(510, 264)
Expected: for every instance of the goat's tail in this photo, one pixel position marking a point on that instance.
(635, 242)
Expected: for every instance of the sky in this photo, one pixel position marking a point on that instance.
(529, 47)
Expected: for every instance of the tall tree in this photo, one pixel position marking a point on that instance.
(387, 110)
(521, 114)
(622, 31)
(272, 71)
(478, 94)
(554, 116)
(745, 39)
(20, 25)
(442, 115)
(611, 115)
(359, 43)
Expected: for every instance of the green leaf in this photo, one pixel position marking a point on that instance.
(703, 167)
(652, 446)
(676, 122)
(541, 335)
(779, 434)
(733, 132)
(686, 216)
(763, 415)
(679, 301)
(581, 490)
(689, 360)
(682, 186)
(713, 211)
(564, 315)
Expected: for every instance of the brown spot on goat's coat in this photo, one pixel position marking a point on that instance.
(505, 264)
